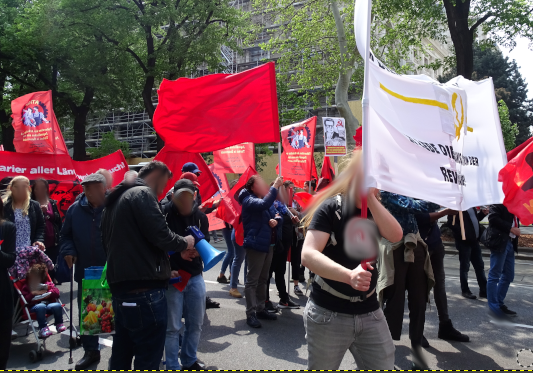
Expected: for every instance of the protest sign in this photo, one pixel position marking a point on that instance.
(298, 146)
(334, 136)
(235, 159)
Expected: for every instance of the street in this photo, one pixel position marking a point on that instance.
(228, 343)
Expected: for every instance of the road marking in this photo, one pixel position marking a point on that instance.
(511, 324)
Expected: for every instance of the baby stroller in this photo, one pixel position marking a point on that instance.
(23, 315)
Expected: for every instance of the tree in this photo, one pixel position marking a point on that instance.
(108, 146)
(509, 130)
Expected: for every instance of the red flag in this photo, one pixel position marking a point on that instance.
(115, 163)
(175, 161)
(517, 178)
(35, 124)
(327, 171)
(298, 147)
(235, 159)
(214, 222)
(303, 199)
(300, 183)
(219, 110)
(513, 153)
(358, 137)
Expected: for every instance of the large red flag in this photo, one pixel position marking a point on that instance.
(175, 161)
(235, 159)
(300, 183)
(327, 171)
(513, 153)
(214, 222)
(35, 124)
(298, 147)
(517, 178)
(219, 110)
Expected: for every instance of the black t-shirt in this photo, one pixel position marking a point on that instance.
(326, 220)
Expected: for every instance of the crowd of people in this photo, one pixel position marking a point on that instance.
(155, 273)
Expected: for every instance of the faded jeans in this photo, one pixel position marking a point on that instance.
(239, 257)
(189, 304)
(501, 274)
(330, 334)
(228, 259)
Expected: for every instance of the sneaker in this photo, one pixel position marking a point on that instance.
(252, 321)
(297, 290)
(195, 366)
(469, 295)
(14, 334)
(235, 293)
(44, 333)
(266, 315)
(449, 333)
(288, 304)
(60, 328)
(209, 303)
(269, 307)
(222, 280)
(507, 311)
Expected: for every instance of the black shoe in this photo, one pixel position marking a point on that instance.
(469, 295)
(222, 280)
(90, 358)
(483, 294)
(507, 311)
(449, 333)
(424, 343)
(287, 304)
(209, 303)
(269, 307)
(195, 366)
(252, 321)
(264, 315)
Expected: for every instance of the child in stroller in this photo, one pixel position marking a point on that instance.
(42, 296)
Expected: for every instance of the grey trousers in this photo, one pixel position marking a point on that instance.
(255, 287)
(330, 334)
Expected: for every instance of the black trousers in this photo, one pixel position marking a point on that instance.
(6, 324)
(470, 252)
(436, 255)
(296, 260)
(412, 278)
(279, 268)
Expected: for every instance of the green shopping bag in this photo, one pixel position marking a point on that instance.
(97, 315)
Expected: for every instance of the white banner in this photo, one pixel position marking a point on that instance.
(437, 142)
(334, 136)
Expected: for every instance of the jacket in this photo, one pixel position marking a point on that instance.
(136, 239)
(26, 293)
(81, 236)
(500, 224)
(178, 224)
(26, 257)
(8, 237)
(36, 219)
(57, 222)
(470, 232)
(256, 213)
(385, 264)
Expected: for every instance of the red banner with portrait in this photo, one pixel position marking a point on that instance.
(298, 141)
(235, 159)
(35, 124)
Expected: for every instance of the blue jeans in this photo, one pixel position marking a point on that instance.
(501, 274)
(231, 250)
(240, 255)
(42, 309)
(189, 304)
(89, 342)
(140, 326)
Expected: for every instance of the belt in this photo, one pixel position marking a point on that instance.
(324, 286)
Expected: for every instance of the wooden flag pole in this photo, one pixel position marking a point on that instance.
(279, 158)
(461, 221)
(336, 165)
(290, 213)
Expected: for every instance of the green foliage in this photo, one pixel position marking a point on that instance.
(109, 145)
(261, 152)
(509, 130)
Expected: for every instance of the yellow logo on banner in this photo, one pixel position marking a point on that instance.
(458, 123)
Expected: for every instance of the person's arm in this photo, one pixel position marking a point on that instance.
(261, 204)
(52, 289)
(434, 216)
(67, 248)
(409, 204)
(496, 219)
(153, 226)
(388, 225)
(8, 252)
(39, 223)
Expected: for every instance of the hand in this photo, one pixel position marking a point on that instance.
(451, 212)
(278, 182)
(360, 279)
(70, 260)
(189, 255)
(295, 220)
(373, 192)
(485, 211)
(515, 231)
(190, 242)
(272, 223)
(44, 208)
(174, 274)
(40, 245)
(294, 212)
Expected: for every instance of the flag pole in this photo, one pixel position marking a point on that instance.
(336, 165)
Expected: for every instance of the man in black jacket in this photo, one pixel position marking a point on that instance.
(184, 213)
(503, 233)
(469, 250)
(137, 239)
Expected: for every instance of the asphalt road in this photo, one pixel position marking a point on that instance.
(228, 343)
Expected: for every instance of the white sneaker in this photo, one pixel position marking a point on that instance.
(14, 335)
(297, 290)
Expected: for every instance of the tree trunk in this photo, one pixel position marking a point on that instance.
(80, 121)
(345, 77)
(8, 135)
(457, 13)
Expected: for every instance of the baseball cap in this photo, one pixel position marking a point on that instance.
(94, 178)
(184, 185)
(190, 167)
(190, 176)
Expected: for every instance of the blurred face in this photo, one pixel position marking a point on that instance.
(184, 202)
(19, 191)
(260, 187)
(34, 279)
(108, 179)
(39, 189)
(157, 181)
(95, 193)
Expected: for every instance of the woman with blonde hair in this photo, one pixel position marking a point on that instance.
(343, 312)
(24, 212)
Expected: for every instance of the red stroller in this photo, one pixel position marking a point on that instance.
(23, 315)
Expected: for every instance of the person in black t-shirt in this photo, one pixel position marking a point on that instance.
(343, 312)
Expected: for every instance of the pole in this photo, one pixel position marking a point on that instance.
(461, 221)
(279, 158)
(336, 165)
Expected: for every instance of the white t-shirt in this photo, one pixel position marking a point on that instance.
(514, 226)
